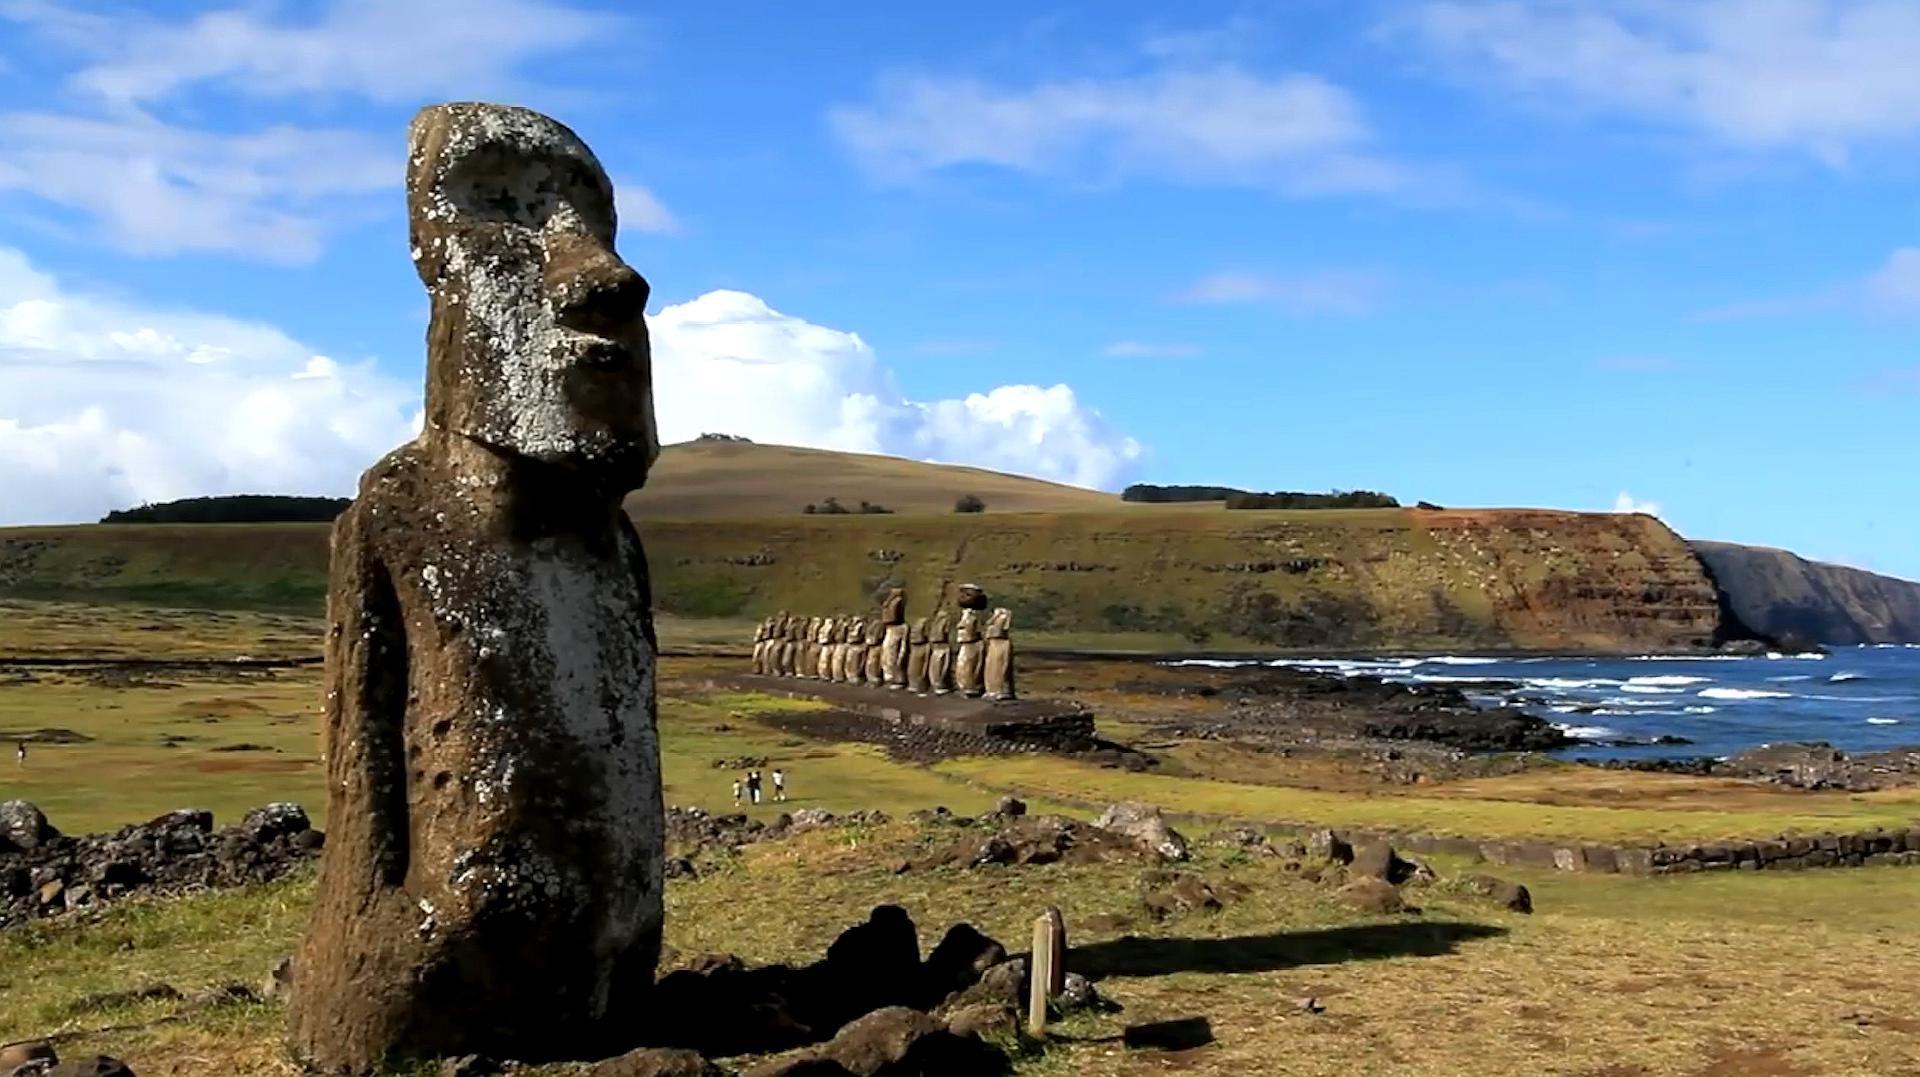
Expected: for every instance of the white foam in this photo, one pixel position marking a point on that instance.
(1791, 678)
(1458, 660)
(1669, 680)
(1805, 656)
(1839, 677)
(1702, 710)
(1216, 663)
(1688, 658)
(1883, 721)
(1570, 682)
(1742, 693)
(1585, 732)
(1655, 689)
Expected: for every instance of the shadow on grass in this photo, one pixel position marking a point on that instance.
(1135, 956)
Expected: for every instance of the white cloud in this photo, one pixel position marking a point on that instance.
(1626, 503)
(1819, 77)
(1294, 133)
(157, 183)
(640, 210)
(1142, 349)
(1326, 292)
(727, 362)
(1895, 286)
(106, 403)
(1891, 289)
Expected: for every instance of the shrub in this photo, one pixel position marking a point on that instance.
(970, 503)
(237, 509)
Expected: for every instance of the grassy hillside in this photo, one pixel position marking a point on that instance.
(730, 478)
(1781, 594)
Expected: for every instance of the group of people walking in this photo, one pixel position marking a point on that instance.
(748, 788)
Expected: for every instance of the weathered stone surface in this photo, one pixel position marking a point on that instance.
(939, 652)
(1371, 895)
(899, 1042)
(875, 671)
(853, 660)
(176, 851)
(493, 882)
(823, 648)
(1144, 824)
(918, 654)
(997, 671)
(969, 654)
(1506, 894)
(957, 963)
(94, 1066)
(655, 1062)
(1378, 860)
(23, 826)
(893, 641)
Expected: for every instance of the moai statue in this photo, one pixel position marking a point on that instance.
(492, 876)
(939, 653)
(854, 666)
(790, 654)
(876, 652)
(999, 663)
(759, 644)
(807, 659)
(893, 641)
(917, 654)
(822, 650)
(968, 654)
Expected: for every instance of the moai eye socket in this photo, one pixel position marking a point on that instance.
(501, 184)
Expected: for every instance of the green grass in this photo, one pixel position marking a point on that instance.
(1074, 782)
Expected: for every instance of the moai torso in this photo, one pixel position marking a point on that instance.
(917, 653)
(997, 671)
(939, 653)
(822, 650)
(875, 670)
(855, 671)
(893, 644)
(491, 882)
(968, 655)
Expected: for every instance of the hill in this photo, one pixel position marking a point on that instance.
(702, 479)
(1781, 594)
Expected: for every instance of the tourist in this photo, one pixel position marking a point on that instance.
(20, 753)
(779, 784)
(736, 792)
(753, 786)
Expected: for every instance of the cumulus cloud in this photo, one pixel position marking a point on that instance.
(1296, 134)
(1626, 503)
(1326, 292)
(137, 158)
(1819, 77)
(727, 361)
(106, 403)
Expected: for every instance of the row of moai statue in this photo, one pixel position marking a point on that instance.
(971, 653)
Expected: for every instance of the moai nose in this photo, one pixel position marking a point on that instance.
(591, 289)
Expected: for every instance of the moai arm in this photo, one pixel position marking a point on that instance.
(366, 706)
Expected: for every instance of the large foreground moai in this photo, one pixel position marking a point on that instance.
(893, 640)
(492, 876)
(997, 675)
(969, 655)
(939, 652)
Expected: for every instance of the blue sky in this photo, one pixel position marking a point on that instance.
(1575, 254)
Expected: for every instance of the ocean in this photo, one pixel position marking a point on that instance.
(1859, 699)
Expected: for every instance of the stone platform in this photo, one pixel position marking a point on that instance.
(1030, 724)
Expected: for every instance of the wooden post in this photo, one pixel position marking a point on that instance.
(1040, 976)
(1057, 981)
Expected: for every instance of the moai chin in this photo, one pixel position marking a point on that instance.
(917, 655)
(492, 877)
(893, 641)
(939, 652)
(968, 654)
(998, 667)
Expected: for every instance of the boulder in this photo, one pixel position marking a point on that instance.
(876, 963)
(24, 826)
(801, 1065)
(810, 819)
(1004, 984)
(655, 1062)
(1009, 807)
(271, 821)
(899, 1042)
(1144, 824)
(1327, 845)
(1378, 860)
(15, 1055)
(984, 1019)
(1372, 895)
(1168, 894)
(1506, 894)
(957, 963)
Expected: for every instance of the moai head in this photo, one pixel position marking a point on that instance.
(537, 345)
(971, 596)
(823, 632)
(939, 626)
(856, 630)
(1000, 623)
(893, 607)
(917, 630)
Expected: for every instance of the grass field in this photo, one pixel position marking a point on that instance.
(1704, 976)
